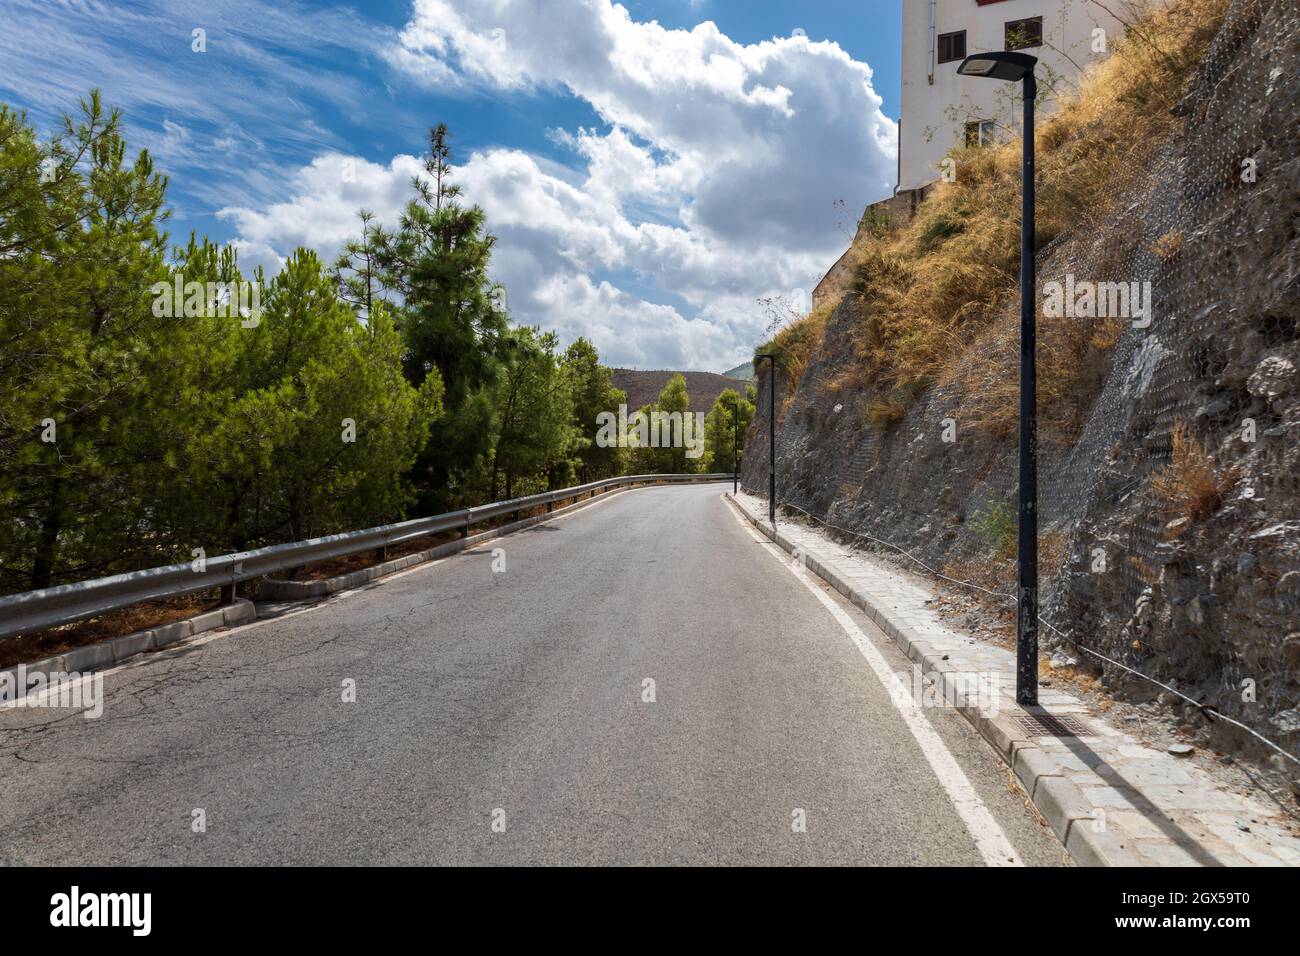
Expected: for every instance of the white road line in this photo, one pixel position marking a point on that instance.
(989, 839)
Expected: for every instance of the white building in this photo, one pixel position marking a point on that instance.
(940, 108)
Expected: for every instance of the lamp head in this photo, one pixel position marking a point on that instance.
(998, 65)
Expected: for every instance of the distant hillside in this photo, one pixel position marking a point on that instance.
(744, 371)
(644, 387)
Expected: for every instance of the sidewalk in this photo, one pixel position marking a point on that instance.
(1111, 799)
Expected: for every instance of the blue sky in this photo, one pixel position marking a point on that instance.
(650, 169)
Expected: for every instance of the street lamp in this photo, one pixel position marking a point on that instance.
(1008, 66)
(771, 440)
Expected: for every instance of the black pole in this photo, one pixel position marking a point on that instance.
(1027, 593)
(771, 441)
(735, 446)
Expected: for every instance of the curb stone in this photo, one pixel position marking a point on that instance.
(114, 650)
(1061, 802)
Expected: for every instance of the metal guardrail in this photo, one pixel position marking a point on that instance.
(49, 607)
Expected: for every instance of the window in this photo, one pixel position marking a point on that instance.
(952, 46)
(1021, 34)
(980, 132)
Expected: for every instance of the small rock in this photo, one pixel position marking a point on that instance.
(1287, 721)
(1061, 659)
(1274, 376)
(1291, 649)
(1180, 750)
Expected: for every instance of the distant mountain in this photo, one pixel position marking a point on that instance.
(744, 371)
(642, 388)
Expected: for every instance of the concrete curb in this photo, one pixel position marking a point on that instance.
(115, 650)
(273, 589)
(1058, 799)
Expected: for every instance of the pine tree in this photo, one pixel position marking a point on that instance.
(535, 434)
(724, 430)
(437, 262)
(357, 272)
(87, 366)
(319, 426)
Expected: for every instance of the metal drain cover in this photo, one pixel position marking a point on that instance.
(1052, 725)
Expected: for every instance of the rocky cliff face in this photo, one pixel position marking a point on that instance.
(1170, 508)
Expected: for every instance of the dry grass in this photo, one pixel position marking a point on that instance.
(885, 412)
(1051, 555)
(1191, 486)
(992, 575)
(937, 296)
(1169, 245)
(128, 620)
(794, 345)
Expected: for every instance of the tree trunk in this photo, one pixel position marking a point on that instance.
(48, 542)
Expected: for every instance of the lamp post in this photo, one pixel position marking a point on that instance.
(771, 439)
(1010, 67)
(735, 446)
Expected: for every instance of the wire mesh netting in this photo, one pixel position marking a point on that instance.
(1169, 408)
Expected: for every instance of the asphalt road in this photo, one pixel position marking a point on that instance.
(499, 719)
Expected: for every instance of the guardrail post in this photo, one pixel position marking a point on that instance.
(228, 593)
(381, 553)
(550, 506)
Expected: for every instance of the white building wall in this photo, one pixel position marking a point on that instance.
(934, 115)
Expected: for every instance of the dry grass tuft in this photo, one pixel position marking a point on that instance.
(1169, 245)
(885, 412)
(794, 346)
(1192, 487)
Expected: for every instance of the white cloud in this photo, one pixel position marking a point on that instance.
(713, 183)
(322, 211)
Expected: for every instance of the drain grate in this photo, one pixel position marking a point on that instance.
(1051, 725)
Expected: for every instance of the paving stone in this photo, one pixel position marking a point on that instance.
(1060, 802)
(90, 657)
(207, 622)
(1031, 764)
(128, 645)
(1090, 846)
(238, 613)
(171, 633)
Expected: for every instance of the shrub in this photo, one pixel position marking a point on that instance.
(885, 412)
(998, 525)
(1191, 486)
